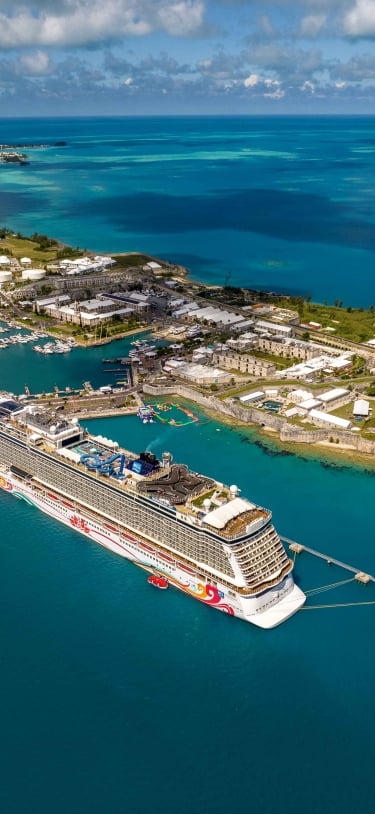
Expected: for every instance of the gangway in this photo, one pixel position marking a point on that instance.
(298, 548)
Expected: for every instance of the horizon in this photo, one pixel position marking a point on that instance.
(277, 115)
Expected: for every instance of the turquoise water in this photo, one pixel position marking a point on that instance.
(41, 373)
(117, 698)
(285, 204)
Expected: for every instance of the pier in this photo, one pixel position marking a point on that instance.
(298, 548)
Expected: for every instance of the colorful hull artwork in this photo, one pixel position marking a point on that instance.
(124, 543)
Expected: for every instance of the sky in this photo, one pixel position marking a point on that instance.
(162, 57)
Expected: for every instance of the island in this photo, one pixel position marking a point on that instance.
(299, 371)
(10, 153)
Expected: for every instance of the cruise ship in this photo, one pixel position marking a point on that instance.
(199, 534)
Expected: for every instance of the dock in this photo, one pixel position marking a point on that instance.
(298, 548)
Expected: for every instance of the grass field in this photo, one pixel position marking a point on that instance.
(355, 324)
(20, 247)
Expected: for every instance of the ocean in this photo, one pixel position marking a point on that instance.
(285, 204)
(118, 698)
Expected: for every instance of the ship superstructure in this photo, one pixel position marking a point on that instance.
(202, 535)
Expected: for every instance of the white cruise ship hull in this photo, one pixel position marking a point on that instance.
(265, 610)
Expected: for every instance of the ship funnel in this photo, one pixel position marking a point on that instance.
(166, 459)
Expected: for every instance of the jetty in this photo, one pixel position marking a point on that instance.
(298, 548)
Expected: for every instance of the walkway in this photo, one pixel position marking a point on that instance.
(298, 548)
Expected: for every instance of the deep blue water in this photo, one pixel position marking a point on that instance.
(284, 204)
(117, 698)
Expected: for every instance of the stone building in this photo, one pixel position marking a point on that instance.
(244, 363)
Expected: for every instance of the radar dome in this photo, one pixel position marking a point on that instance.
(233, 490)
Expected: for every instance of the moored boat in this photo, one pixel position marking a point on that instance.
(158, 582)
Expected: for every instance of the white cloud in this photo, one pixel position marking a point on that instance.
(360, 20)
(251, 80)
(271, 83)
(308, 87)
(276, 94)
(312, 25)
(36, 64)
(181, 18)
(83, 22)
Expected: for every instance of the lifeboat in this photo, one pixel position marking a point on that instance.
(158, 582)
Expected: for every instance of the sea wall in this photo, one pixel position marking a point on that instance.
(292, 434)
(288, 433)
(247, 415)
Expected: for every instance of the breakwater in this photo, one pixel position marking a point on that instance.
(288, 433)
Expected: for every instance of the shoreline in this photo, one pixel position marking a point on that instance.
(325, 453)
(322, 449)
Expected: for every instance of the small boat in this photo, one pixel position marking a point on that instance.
(158, 582)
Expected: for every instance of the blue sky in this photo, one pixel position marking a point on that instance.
(124, 57)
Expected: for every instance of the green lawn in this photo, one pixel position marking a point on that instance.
(19, 247)
(355, 324)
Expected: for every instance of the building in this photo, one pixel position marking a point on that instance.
(262, 326)
(244, 363)
(138, 302)
(152, 265)
(309, 404)
(87, 313)
(201, 374)
(332, 399)
(327, 420)
(215, 316)
(252, 398)
(243, 342)
(296, 396)
(284, 315)
(314, 367)
(288, 348)
(361, 408)
(48, 304)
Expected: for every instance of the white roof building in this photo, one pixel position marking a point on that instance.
(309, 404)
(293, 411)
(296, 396)
(334, 395)
(361, 408)
(328, 419)
(46, 301)
(270, 327)
(309, 369)
(259, 394)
